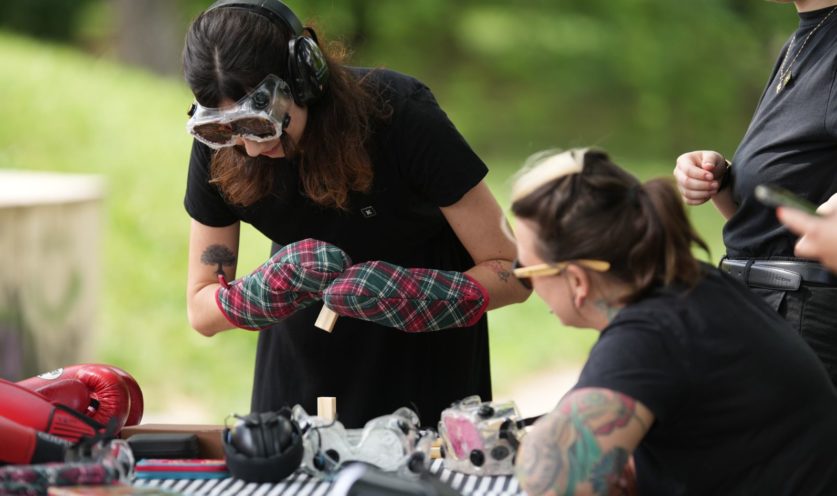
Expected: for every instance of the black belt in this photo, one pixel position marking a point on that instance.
(778, 274)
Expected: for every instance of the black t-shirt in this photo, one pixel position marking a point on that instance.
(741, 403)
(421, 163)
(791, 142)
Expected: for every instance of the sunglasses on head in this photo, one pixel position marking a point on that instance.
(522, 273)
(261, 115)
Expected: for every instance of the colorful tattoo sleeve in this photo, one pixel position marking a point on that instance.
(584, 443)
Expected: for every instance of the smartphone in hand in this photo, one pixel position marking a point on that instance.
(775, 196)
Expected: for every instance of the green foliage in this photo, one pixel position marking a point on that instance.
(54, 19)
(651, 77)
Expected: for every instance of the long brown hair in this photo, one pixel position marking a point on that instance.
(227, 53)
(586, 207)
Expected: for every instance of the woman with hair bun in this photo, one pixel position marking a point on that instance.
(694, 380)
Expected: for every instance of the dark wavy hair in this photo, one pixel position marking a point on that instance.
(230, 51)
(602, 212)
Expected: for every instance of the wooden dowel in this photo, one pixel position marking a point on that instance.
(326, 319)
(327, 408)
(436, 449)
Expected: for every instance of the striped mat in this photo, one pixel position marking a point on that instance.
(301, 484)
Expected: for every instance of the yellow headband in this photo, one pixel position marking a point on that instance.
(547, 169)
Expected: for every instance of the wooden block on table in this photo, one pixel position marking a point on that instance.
(327, 408)
(436, 449)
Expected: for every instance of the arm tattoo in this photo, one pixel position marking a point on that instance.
(502, 272)
(218, 255)
(605, 474)
(564, 452)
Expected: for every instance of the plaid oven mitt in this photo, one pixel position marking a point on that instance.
(413, 300)
(293, 278)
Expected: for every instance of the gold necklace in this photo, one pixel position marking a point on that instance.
(786, 75)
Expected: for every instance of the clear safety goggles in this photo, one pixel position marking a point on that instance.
(393, 443)
(258, 116)
(481, 437)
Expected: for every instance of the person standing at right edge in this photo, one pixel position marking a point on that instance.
(792, 143)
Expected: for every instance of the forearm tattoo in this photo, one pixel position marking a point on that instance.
(220, 256)
(502, 272)
(563, 452)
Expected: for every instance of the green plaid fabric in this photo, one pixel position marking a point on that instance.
(293, 278)
(413, 300)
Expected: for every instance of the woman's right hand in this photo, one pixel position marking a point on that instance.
(698, 175)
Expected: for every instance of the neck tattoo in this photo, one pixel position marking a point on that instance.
(607, 309)
(785, 75)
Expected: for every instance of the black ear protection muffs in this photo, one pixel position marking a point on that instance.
(263, 447)
(307, 69)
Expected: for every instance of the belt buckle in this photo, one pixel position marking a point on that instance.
(764, 276)
(811, 272)
(774, 277)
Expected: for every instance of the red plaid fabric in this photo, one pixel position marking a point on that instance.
(413, 300)
(36, 479)
(293, 278)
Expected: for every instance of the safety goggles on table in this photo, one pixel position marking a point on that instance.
(260, 115)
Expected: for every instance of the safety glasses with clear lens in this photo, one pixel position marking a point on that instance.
(258, 116)
(523, 273)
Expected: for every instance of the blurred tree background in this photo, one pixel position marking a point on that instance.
(649, 78)
(95, 86)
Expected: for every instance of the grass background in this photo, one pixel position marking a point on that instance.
(70, 112)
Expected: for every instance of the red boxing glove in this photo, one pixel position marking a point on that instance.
(71, 393)
(137, 403)
(30, 409)
(104, 393)
(23, 445)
